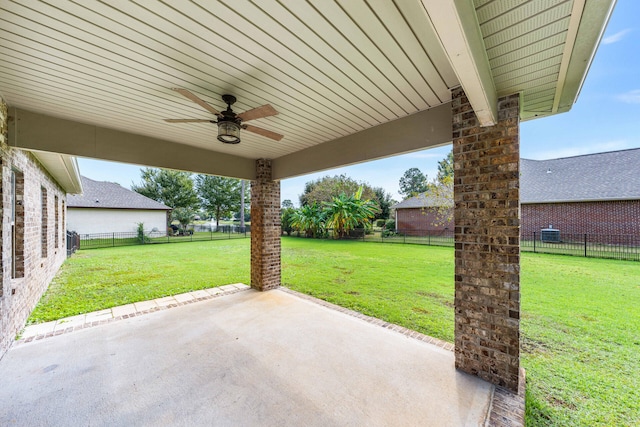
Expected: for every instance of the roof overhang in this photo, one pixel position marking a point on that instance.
(352, 80)
(63, 168)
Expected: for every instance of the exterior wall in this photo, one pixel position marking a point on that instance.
(419, 222)
(602, 218)
(92, 220)
(18, 296)
(487, 242)
(265, 228)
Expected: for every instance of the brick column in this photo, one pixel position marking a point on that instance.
(265, 228)
(487, 242)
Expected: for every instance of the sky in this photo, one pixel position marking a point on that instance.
(605, 118)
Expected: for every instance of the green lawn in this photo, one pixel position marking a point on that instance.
(580, 316)
(102, 278)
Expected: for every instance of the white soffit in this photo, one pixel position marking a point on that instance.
(541, 49)
(63, 168)
(333, 69)
(330, 68)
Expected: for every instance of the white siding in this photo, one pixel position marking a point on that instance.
(91, 220)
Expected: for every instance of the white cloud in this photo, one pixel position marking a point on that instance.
(597, 147)
(616, 37)
(631, 97)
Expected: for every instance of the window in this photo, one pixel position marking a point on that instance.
(57, 217)
(17, 224)
(44, 218)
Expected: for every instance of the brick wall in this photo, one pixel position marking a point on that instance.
(418, 222)
(487, 245)
(19, 295)
(599, 218)
(265, 228)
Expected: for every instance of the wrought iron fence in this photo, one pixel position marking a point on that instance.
(614, 246)
(73, 242)
(192, 234)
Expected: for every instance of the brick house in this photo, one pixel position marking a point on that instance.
(594, 194)
(107, 207)
(34, 187)
(417, 216)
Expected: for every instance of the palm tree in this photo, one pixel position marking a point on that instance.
(310, 219)
(345, 213)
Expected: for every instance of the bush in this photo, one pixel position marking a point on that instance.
(389, 228)
(142, 239)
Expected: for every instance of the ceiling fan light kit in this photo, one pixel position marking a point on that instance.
(228, 132)
(229, 123)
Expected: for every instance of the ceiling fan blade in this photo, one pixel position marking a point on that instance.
(188, 121)
(195, 99)
(258, 113)
(263, 132)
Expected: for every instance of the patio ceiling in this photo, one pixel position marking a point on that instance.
(352, 80)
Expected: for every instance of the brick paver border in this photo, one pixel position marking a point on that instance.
(109, 315)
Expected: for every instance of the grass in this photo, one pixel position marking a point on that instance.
(102, 278)
(580, 316)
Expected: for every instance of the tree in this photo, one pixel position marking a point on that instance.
(184, 216)
(286, 217)
(219, 196)
(412, 183)
(441, 194)
(325, 189)
(286, 204)
(173, 188)
(445, 167)
(309, 219)
(440, 191)
(344, 213)
(384, 203)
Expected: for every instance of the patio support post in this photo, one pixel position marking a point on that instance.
(487, 242)
(265, 228)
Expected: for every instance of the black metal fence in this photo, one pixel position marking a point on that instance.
(73, 242)
(614, 246)
(193, 234)
(623, 247)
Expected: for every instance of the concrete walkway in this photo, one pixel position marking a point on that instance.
(244, 359)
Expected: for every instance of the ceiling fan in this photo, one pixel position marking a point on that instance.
(229, 123)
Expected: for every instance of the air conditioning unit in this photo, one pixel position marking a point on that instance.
(550, 235)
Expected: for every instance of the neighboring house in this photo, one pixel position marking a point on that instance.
(106, 207)
(34, 186)
(595, 194)
(419, 215)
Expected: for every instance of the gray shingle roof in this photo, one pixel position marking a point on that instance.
(419, 201)
(614, 175)
(108, 195)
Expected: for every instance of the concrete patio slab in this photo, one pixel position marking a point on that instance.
(245, 359)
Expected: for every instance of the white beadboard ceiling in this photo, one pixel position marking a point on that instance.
(331, 68)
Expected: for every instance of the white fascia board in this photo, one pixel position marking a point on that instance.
(591, 25)
(456, 25)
